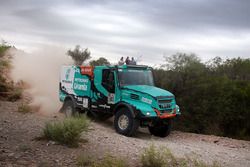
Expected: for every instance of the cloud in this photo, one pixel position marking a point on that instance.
(112, 28)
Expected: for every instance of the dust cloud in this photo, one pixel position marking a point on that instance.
(40, 70)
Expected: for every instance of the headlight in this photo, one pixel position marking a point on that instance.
(178, 112)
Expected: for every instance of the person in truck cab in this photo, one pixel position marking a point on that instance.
(121, 62)
(127, 61)
(132, 62)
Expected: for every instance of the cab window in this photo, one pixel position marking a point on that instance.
(108, 80)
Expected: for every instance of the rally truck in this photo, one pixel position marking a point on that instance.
(126, 92)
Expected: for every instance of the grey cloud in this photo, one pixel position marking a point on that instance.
(44, 19)
(146, 27)
(192, 14)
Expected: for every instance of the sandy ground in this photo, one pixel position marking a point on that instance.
(18, 146)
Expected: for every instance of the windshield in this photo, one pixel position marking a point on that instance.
(136, 77)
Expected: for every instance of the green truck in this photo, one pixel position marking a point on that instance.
(126, 92)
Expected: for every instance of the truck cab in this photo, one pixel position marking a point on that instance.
(127, 92)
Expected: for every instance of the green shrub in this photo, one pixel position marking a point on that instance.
(110, 161)
(3, 49)
(197, 163)
(4, 64)
(156, 157)
(152, 157)
(24, 108)
(67, 131)
(84, 160)
(4, 86)
(15, 94)
(7, 89)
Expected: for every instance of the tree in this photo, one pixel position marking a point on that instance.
(179, 61)
(213, 97)
(3, 48)
(99, 62)
(214, 63)
(78, 55)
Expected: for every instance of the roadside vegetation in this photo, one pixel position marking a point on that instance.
(79, 55)
(107, 161)
(24, 108)
(3, 48)
(151, 157)
(162, 157)
(8, 90)
(68, 131)
(99, 62)
(213, 96)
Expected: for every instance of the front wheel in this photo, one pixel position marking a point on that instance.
(124, 122)
(161, 129)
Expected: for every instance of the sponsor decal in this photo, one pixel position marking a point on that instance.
(80, 84)
(146, 100)
(67, 74)
(81, 80)
(80, 87)
(93, 106)
(104, 106)
(66, 81)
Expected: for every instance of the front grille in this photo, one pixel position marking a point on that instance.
(134, 96)
(165, 101)
(165, 105)
(164, 97)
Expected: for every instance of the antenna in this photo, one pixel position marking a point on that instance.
(138, 59)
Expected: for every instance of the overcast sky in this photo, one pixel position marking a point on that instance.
(147, 28)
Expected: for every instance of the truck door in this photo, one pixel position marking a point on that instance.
(108, 82)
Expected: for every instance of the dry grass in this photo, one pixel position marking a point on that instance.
(108, 161)
(152, 157)
(24, 108)
(162, 157)
(84, 160)
(15, 94)
(68, 131)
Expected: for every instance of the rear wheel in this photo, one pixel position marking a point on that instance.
(124, 122)
(68, 108)
(161, 129)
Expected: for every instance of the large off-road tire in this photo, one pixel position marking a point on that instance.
(161, 129)
(125, 123)
(68, 108)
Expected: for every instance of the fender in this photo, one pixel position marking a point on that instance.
(141, 107)
(131, 108)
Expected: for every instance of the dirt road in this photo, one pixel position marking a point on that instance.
(18, 146)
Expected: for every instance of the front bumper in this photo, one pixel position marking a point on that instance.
(165, 115)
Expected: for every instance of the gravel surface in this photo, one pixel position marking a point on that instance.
(18, 146)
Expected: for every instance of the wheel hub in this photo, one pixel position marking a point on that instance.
(123, 122)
